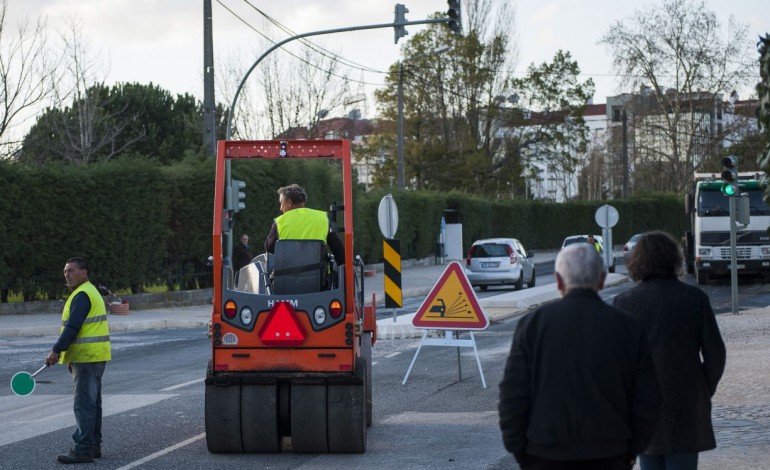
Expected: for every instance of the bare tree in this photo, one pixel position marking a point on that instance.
(677, 49)
(28, 73)
(296, 87)
(303, 91)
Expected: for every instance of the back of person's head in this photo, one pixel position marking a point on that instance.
(579, 265)
(656, 256)
(294, 193)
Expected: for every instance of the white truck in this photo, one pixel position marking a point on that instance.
(707, 243)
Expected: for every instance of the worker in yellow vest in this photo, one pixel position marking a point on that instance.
(84, 345)
(301, 223)
(592, 241)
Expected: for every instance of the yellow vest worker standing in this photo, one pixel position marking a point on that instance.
(591, 240)
(83, 344)
(301, 223)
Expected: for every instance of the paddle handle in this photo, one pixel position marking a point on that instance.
(39, 370)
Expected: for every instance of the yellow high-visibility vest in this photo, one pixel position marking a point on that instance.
(303, 224)
(92, 343)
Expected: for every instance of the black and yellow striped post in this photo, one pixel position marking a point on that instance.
(391, 252)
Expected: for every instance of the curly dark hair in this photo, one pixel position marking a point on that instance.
(657, 255)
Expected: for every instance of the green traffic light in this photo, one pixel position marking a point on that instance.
(729, 189)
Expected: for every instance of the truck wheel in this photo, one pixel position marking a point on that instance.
(308, 417)
(223, 418)
(366, 353)
(259, 418)
(701, 276)
(347, 413)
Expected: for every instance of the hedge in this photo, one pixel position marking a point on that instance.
(141, 224)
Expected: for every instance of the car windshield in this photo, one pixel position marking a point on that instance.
(489, 250)
(570, 241)
(712, 203)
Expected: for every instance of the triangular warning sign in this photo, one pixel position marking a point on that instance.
(451, 304)
(282, 327)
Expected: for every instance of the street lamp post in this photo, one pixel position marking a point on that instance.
(400, 137)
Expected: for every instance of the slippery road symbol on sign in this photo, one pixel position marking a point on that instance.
(451, 304)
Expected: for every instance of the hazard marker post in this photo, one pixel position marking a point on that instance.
(452, 305)
(387, 217)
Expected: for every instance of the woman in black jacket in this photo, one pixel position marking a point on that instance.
(681, 329)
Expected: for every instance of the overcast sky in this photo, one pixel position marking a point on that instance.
(161, 41)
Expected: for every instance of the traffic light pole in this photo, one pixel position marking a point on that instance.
(228, 133)
(733, 255)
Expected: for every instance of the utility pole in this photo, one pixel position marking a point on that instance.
(209, 105)
(400, 137)
(625, 154)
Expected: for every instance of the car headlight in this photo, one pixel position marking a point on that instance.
(704, 251)
(766, 250)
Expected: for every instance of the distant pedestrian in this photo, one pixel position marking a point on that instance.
(687, 350)
(84, 345)
(579, 389)
(241, 253)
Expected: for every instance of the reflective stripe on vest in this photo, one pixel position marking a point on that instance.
(303, 224)
(92, 343)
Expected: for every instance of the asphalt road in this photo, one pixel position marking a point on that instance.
(154, 394)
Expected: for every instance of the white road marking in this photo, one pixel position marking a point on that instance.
(174, 387)
(163, 452)
(374, 363)
(393, 354)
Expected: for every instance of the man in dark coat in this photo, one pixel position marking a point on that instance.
(687, 350)
(579, 387)
(241, 253)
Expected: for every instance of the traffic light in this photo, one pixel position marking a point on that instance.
(455, 22)
(236, 195)
(730, 175)
(399, 28)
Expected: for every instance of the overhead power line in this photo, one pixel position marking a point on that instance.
(271, 41)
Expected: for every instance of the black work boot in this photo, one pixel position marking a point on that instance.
(97, 451)
(72, 457)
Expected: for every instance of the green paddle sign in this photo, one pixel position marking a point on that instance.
(23, 383)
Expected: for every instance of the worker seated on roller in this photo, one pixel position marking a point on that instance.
(298, 222)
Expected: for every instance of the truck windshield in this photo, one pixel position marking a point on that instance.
(712, 203)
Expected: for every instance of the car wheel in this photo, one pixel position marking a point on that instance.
(531, 282)
(520, 283)
(483, 287)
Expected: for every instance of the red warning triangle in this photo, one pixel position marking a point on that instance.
(451, 304)
(282, 327)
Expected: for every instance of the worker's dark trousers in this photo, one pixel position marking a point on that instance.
(88, 405)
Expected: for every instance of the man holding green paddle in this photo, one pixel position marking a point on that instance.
(84, 345)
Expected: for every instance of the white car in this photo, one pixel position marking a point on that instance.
(499, 261)
(583, 239)
(629, 246)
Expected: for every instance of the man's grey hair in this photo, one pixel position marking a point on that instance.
(580, 265)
